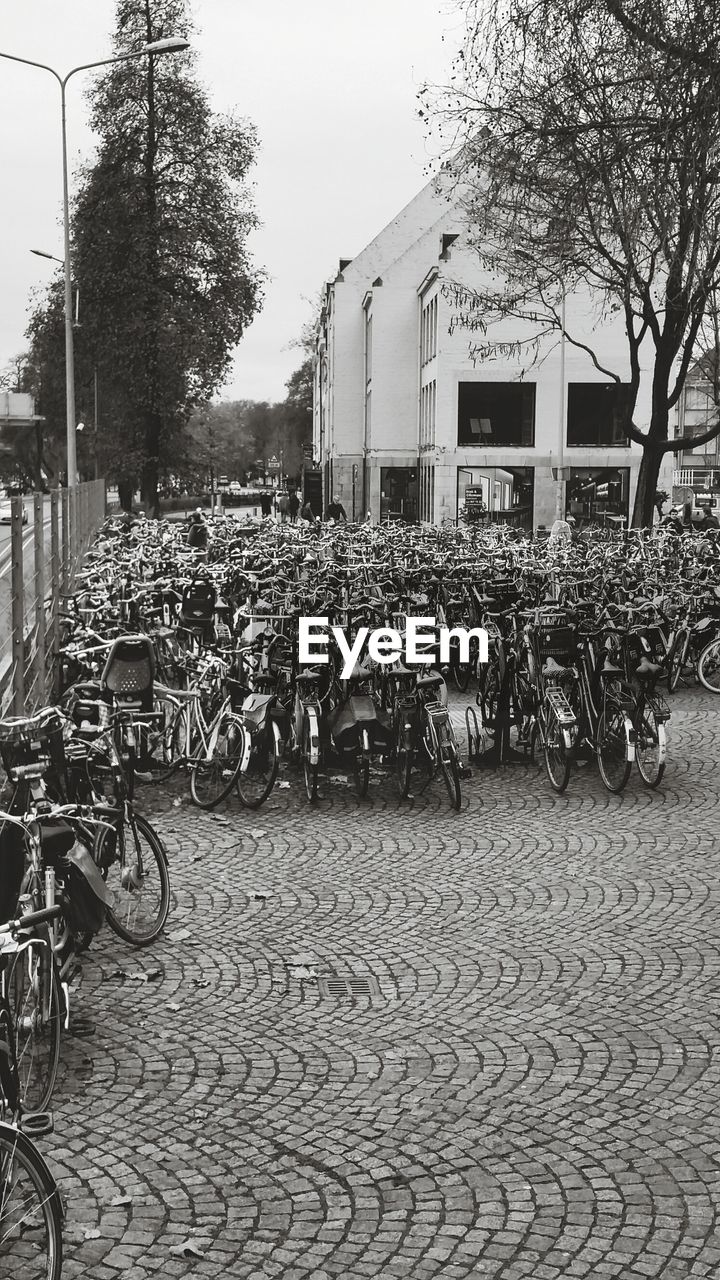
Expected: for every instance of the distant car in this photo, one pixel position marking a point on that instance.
(6, 512)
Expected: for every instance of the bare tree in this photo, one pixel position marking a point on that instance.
(585, 140)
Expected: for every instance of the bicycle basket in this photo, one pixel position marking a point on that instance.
(556, 636)
(32, 740)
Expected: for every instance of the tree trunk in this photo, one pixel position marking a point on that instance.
(647, 487)
(125, 494)
(151, 500)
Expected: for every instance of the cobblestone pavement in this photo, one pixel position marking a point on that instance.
(527, 1083)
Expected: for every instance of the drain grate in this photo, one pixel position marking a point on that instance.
(344, 988)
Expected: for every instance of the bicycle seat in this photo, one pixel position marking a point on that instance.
(360, 672)
(611, 669)
(130, 671)
(553, 668)
(648, 669)
(430, 682)
(306, 677)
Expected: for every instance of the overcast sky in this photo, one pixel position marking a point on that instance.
(332, 88)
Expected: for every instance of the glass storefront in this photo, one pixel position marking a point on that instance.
(598, 493)
(398, 493)
(505, 493)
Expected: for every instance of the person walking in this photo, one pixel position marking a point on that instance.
(335, 511)
(293, 506)
(266, 504)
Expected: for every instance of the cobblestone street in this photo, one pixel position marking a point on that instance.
(382, 1039)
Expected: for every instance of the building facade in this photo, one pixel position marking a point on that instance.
(407, 423)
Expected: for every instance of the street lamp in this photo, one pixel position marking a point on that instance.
(170, 44)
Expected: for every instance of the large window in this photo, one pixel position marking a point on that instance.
(506, 493)
(594, 493)
(398, 492)
(596, 414)
(492, 414)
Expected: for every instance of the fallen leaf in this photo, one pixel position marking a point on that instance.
(145, 975)
(303, 974)
(187, 1247)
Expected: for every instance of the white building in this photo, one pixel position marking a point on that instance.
(405, 423)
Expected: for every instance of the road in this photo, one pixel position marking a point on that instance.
(525, 1082)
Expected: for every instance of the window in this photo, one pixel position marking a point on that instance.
(492, 414)
(429, 330)
(596, 492)
(428, 402)
(398, 492)
(596, 414)
(698, 413)
(507, 495)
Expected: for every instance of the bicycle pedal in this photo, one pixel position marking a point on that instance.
(36, 1124)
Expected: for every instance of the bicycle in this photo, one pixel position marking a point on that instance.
(31, 1213)
(127, 849)
(424, 739)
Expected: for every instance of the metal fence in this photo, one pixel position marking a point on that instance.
(49, 535)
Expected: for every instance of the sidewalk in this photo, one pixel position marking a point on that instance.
(387, 1040)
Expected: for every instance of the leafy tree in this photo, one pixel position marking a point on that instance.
(160, 225)
(585, 142)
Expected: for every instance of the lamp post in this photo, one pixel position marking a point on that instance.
(169, 45)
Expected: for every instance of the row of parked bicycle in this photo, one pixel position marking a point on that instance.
(207, 647)
(173, 659)
(74, 853)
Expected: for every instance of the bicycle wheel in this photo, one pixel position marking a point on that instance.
(35, 999)
(650, 747)
(30, 1211)
(311, 766)
(134, 863)
(462, 671)
(614, 758)
(709, 667)
(161, 745)
(403, 760)
(556, 749)
(676, 660)
(255, 783)
(361, 765)
(489, 693)
(214, 769)
(450, 766)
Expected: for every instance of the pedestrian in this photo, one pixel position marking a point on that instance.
(282, 506)
(307, 513)
(335, 511)
(197, 534)
(266, 504)
(293, 506)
